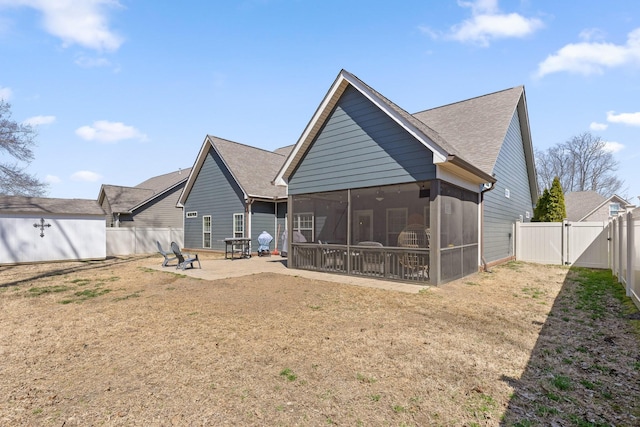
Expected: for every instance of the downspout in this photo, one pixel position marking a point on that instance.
(490, 187)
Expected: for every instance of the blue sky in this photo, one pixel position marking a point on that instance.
(124, 90)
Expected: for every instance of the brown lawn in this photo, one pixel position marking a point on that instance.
(115, 343)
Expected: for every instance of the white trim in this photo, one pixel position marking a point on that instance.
(204, 232)
(191, 214)
(386, 219)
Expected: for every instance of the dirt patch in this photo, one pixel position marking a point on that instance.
(116, 343)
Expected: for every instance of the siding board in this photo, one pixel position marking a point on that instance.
(214, 193)
(360, 146)
(500, 212)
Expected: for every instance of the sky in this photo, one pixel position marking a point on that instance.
(120, 91)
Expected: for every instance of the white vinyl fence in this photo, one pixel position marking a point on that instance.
(625, 254)
(611, 245)
(583, 244)
(141, 240)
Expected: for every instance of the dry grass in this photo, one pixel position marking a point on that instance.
(115, 343)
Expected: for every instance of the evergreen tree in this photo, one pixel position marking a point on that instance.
(556, 211)
(540, 210)
(550, 206)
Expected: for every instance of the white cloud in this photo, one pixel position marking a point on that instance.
(488, 23)
(5, 93)
(86, 176)
(52, 179)
(632, 119)
(592, 34)
(598, 126)
(81, 22)
(87, 62)
(612, 147)
(592, 57)
(40, 120)
(106, 131)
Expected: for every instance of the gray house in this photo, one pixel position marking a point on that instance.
(592, 206)
(151, 203)
(229, 195)
(426, 197)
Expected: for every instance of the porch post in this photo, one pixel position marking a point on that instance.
(434, 224)
(348, 230)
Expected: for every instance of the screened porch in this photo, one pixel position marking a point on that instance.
(422, 232)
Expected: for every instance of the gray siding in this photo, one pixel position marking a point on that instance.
(161, 212)
(262, 219)
(501, 212)
(214, 193)
(360, 146)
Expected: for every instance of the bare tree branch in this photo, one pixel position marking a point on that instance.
(16, 142)
(581, 164)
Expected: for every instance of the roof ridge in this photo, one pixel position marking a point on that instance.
(213, 137)
(468, 99)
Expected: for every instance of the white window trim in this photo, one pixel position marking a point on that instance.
(204, 232)
(235, 221)
(296, 223)
(192, 214)
(406, 219)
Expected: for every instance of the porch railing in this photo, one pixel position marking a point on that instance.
(389, 263)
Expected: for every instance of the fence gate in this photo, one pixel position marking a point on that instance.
(583, 244)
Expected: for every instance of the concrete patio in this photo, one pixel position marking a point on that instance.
(215, 269)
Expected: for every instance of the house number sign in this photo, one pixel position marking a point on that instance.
(42, 225)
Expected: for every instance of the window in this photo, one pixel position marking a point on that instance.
(396, 222)
(206, 231)
(192, 214)
(303, 223)
(614, 209)
(238, 225)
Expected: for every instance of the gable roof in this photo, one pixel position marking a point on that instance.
(465, 137)
(44, 205)
(581, 204)
(250, 167)
(486, 120)
(127, 199)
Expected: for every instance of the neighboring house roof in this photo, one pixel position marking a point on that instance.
(128, 199)
(465, 137)
(252, 168)
(581, 204)
(43, 205)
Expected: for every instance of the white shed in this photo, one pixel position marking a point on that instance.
(36, 229)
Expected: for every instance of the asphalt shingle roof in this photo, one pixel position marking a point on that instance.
(253, 168)
(43, 205)
(579, 203)
(123, 199)
(475, 127)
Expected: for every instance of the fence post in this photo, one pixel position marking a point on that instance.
(564, 257)
(516, 239)
(630, 253)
